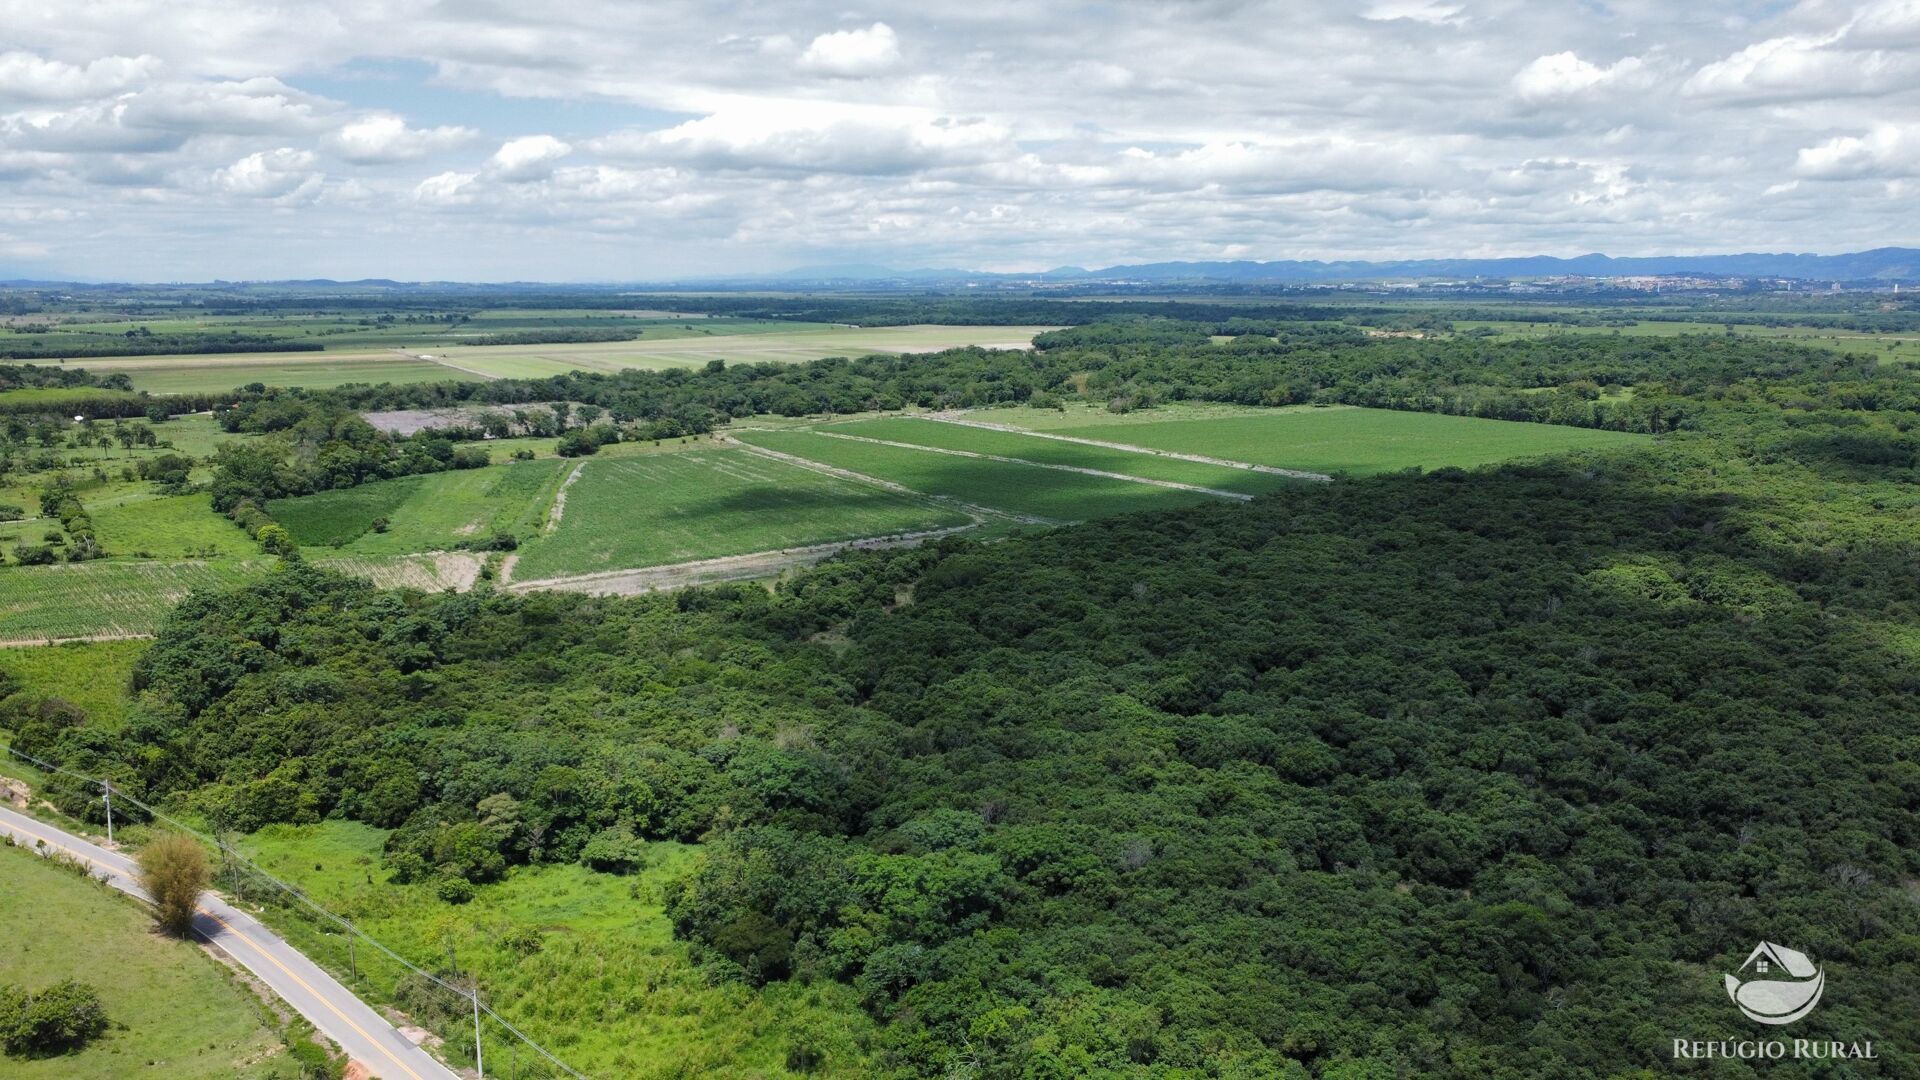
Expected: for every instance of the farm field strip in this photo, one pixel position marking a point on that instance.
(1357, 441)
(666, 509)
(759, 564)
(1081, 469)
(1122, 457)
(777, 346)
(1028, 492)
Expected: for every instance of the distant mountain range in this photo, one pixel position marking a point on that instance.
(1880, 264)
(1883, 265)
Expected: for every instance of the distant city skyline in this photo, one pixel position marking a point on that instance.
(192, 140)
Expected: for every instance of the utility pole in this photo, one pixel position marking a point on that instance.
(353, 964)
(107, 797)
(479, 1056)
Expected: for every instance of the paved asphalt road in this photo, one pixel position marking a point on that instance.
(342, 1017)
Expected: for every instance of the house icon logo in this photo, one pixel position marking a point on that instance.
(1776, 985)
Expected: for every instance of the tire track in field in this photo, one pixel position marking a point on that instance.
(560, 500)
(1081, 469)
(61, 639)
(956, 418)
(445, 363)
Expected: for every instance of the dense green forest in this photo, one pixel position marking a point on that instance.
(1466, 773)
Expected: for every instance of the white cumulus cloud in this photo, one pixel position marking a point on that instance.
(27, 76)
(531, 157)
(270, 174)
(1889, 150)
(853, 53)
(384, 138)
(1565, 75)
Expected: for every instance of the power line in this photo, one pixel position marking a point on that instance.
(294, 891)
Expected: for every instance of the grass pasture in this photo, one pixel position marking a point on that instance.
(1025, 490)
(425, 513)
(1353, 440)
(658, 509)
(169, 526)
(596, 974)
(94, 675)
(175, 1012)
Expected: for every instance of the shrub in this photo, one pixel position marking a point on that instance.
(173, 870)
(454, 890)
(60, 1018)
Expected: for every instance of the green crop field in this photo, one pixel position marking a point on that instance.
(1012, 488)
(114, 597)
(1354, 440)
(425, 513)
(583, 962)
(1056, 452)
(1073, 414)
(667, 508)
(174, 1011)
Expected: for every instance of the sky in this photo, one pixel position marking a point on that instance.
(187, 140)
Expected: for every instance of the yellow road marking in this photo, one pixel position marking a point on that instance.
(270, 958)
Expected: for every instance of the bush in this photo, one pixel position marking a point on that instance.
(275, 540)
(454, 890)
(60, 1018)
(314, 1063)
(615, 851)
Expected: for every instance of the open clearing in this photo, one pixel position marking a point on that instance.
(174, 1012)
(591, 932)
(699, 504)
(169, 526)
(1341, 438)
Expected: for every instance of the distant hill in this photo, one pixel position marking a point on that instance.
(1880, 264)
(1887, 264)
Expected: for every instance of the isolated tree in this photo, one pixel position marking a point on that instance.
(173, 870)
